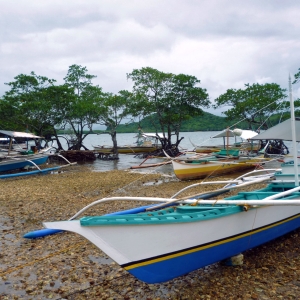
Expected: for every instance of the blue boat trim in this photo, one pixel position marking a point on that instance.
(41, 233)
(14, 165)
(201, 247)
(42, 171)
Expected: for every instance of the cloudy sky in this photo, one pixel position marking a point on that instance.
(224, 43)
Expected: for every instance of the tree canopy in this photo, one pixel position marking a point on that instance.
(167, 100)
(34, 102)
(253, 104)
(83, 109)
(114, 108)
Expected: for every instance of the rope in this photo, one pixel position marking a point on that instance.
(255, 113)
(252, 227)
(91, 287)
(10, 270)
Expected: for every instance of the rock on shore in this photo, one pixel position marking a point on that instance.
(65, 266)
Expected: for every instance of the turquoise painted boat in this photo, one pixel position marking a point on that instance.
(159, 245)
(179, 235)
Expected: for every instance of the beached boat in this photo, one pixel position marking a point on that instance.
(157, 243)
(161, 244)
(225, 161)
(145, 143)
(14, 157)
(197, 168)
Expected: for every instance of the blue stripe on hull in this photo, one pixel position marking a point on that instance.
(182, 263)
(21, 164)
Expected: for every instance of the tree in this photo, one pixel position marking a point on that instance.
(167, 100)
(35, 103)
(253, 104)
(297, 77)
(26, 101)
(57, 100)
(113, 110)
(83, 110)
(8, 115)
(297, 101)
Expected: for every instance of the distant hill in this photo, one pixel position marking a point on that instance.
(206, 122)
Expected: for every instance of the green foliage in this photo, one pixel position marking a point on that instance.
(167, 100)
(113, 109)
(297, 77)
(255, 103)
(161, 102)
(83, 110)
(29, 101)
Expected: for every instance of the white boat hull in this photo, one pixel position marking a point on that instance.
(160, 252)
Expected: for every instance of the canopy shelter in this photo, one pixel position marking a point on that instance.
(12, 135)
(16, 134)
(225, 133)
(282, 131)
(243, 134)
(247, 134)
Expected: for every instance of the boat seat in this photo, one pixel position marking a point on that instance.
(230, 152)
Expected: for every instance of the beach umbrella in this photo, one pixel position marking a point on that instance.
(226, 133)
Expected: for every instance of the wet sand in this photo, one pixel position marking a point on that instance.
(66, 266)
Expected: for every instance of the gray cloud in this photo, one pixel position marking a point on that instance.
(224, 43)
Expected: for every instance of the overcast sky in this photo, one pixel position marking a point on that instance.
(224, 43)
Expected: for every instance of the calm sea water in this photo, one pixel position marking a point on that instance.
(127, 160)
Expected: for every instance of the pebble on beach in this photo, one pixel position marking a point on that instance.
(66, 266)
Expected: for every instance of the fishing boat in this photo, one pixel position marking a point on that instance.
(226, 160)
(160, 242)
(205, 166)
(145, 143)
(157, 243)
(244, 144)
(17, 156)
(13, 158)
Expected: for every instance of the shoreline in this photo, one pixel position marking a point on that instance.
(66, 266)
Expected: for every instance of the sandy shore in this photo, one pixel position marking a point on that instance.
(65, 266)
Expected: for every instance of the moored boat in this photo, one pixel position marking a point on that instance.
(157, 243)
(13, 158)
(145, 143)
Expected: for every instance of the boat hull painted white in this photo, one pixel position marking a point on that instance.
(160, 252)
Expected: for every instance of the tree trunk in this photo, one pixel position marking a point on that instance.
(115, 144)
